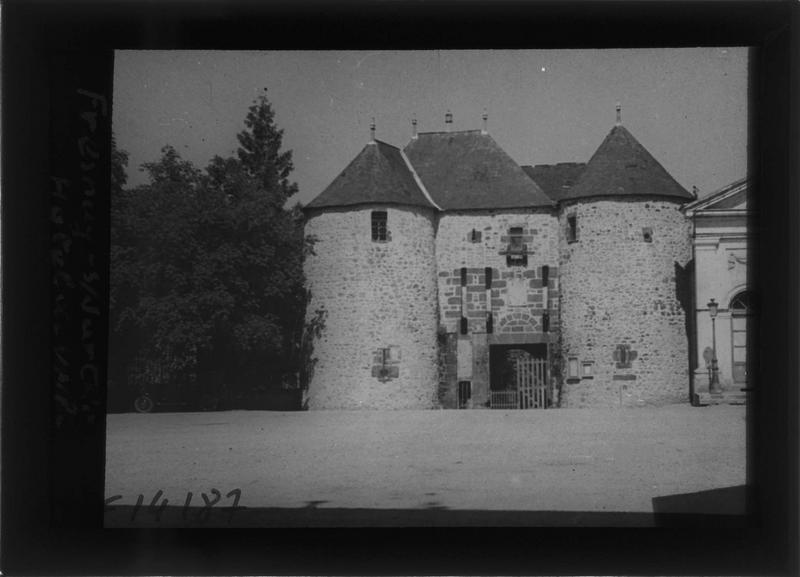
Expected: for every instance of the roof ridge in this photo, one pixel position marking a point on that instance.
(384, 143)
(475, 130)
(418, 180)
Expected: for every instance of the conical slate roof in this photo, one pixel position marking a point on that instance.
(621, 166)
(378, 175)
(468, 170)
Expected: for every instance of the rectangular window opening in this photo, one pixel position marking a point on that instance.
(647, 234)
(475, 235)
(379, 227)
(515, 241)
(572, 228)
(464, 393)
(587, 369)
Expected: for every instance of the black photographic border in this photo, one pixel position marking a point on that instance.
(53, 450)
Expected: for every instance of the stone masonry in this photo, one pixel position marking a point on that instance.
(483, 271)
(618, 291)
(377, 296)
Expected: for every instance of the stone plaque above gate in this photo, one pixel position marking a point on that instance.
(517, 292)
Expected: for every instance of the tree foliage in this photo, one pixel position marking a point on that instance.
(207, 266)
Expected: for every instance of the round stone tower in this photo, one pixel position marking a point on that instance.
(372, 280)
(625, 285)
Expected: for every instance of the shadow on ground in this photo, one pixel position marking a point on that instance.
(720, 508)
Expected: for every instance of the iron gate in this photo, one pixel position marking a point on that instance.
(532, 390)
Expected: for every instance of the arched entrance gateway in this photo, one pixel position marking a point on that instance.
(743, 309)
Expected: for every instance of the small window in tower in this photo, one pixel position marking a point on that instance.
(475, 236)
(647, 234)
(572, 228)
(515, 240)
(588, 369)
(379, 230)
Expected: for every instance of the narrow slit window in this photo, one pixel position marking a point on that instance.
(475, 236)
(379, 227)
(515, 240)
(572, 228)
(647, 234)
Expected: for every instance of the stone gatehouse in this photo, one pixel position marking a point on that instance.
(450, 276)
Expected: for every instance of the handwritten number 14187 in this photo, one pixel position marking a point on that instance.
(155, 508)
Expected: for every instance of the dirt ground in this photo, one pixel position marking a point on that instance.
(593, 460)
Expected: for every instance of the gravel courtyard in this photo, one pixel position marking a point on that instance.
(591, 460)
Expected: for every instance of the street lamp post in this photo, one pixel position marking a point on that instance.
(713, 386)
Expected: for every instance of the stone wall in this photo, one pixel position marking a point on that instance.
(621, 305)
(467, 244)
(517, 297)
(378, 348)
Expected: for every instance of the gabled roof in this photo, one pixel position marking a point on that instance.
(468, 170)
(555, 179)
(730, 197)
(621, 166)
(380, 175)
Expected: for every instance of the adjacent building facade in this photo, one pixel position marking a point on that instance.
(450, 276)
(720, 240)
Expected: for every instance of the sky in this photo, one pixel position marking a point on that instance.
(687, 106)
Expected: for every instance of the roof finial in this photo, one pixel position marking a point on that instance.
(619, 114)
(372, 131)
(414, 126)
(448, 120)
(485, 122)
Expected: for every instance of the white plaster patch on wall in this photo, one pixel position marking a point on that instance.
(464, 365)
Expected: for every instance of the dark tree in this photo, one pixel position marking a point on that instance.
(207, 275)
(260, 152)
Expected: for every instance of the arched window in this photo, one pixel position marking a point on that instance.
(743, 303)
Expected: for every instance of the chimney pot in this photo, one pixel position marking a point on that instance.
(485, 122)
(414, 126)
(619, 114)
(448, 120)
(372, 130)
